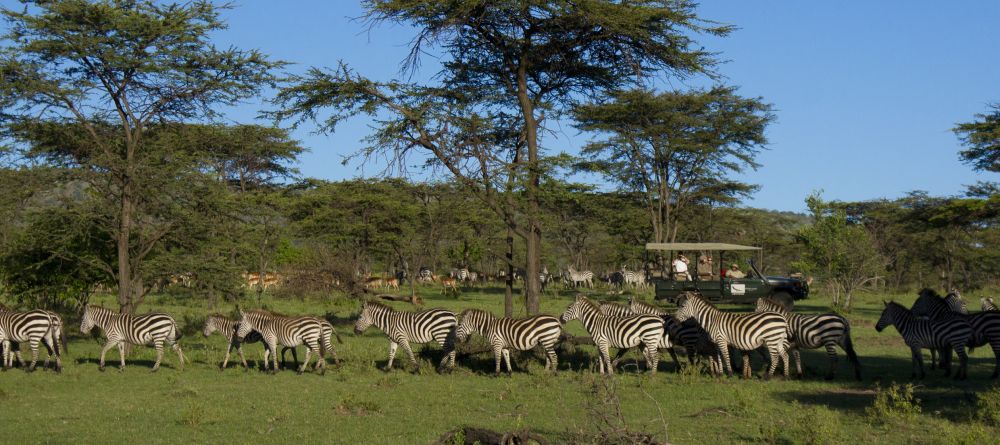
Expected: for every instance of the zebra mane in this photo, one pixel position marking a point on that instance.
(928, 292)
(697, 297)
(100, 308)
(590, 303)
(477, 311)
(218, 315)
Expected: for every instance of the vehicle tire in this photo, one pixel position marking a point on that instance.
(785, 299)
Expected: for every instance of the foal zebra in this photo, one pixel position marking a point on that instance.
(122, 329)
(743, 331)
(288, 331)
(403, 328)
(985, 325)
(945, 334)
(228, 328)
(608, 331)
(505, 334)
(814, 331)
(31, 327)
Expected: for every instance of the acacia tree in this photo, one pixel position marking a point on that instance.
(676, 148)
(116, 68)
(982, 139)
(521, 62)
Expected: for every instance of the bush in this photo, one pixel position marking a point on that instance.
(895, 403)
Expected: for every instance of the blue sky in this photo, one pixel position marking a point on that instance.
(865, 92)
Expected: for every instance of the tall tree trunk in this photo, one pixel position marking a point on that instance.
(508, 297)
(533, 251)
(124, 259)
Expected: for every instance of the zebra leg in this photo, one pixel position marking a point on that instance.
(553, 359)
(33, 344)
(995, 346)
(618, 357)
(963, 362)
(652, 356)
(392, 354)
(305, 363)
(605, 357)
(180, 355)
(673, 355)
(121, 356)
(229, 351)
(158, 345)
(413, 358)
(934, 359)
(243, 359)
(497, 359)
(724, 350)
(945, 360)
(506, 356)
(273, 348)
(831, 353)
(107, 347)
(794, 352)
(747, 369)
(6, 354)
(918, 362)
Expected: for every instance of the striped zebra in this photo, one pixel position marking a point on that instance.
(815, 331)
(742, 331)
(635, 279)
(228, 328)
(621, 311)
(579, 278)
(608, 331)
(930, 306)
(289, 332)
(689, 334)
(425, 275)
(985, 325)
(404, 328)
(505, 334)
(32, 328)
(121, 329)
(55, 342)
(462, 274)
(988, 305)
(946, 334)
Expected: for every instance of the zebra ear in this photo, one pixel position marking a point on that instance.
(885, 303)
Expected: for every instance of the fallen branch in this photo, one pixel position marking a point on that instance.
(482, 436)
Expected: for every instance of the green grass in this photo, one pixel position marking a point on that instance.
(360, 404)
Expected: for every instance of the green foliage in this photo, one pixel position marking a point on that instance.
(982, 139)
(988, 406)
(895, 403)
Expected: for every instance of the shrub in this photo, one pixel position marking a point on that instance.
(893, 403)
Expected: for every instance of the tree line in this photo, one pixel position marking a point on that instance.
(119, 173)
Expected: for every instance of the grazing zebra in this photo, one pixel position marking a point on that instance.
(608, 331)
(930, 306)
(544, 278)
(228, 328)
(985, 325)
(404, 328)
(581, 278)
(988, 305)
(31, 327)
(946, 334)
(462, 275)
(814, 331)
(425, 275)
(505, 334)
(618, 310)
(690, 334)
(121, 329)
(743, 331)
(289, 332)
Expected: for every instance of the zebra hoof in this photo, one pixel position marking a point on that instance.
(385, 369)
(99, 368)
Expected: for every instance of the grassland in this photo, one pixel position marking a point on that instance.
(360, 404)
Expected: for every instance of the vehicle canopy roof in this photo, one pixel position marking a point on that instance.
(698, 246)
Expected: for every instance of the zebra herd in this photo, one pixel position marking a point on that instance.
(698, 329)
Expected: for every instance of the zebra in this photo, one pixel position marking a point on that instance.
(930, 306)
(544, 278)
(743, 331)
(622, 311)
(946, 334)
(688, 334)
(55, 342)
(635, 279)
(34, 327)
(425, 275)
(581, 278)
(288, 331)
(122, 329)
(505, 334)
(404, 327)
(814, 331)
(228, 328)
(608, 331)
(985, 325)
(988, 305)
(462, 274)
(616, 280)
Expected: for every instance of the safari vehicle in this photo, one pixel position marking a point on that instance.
(716, 286)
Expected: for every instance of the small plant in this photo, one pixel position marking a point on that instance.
(387, 382)
(194, 416)
(349, 406)
(893, 403)
(988, 407)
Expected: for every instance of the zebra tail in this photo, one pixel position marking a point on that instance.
(851, 355)
(62, 341)
(335, 334)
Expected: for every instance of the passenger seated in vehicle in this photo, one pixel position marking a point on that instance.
(735, 272)
(705, 268)
(680, 267)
